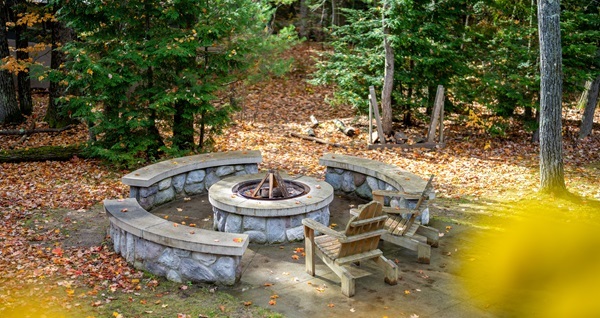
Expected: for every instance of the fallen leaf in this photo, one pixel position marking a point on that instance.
(179, 209)
(330, 305)
(272, 302)
(296, 257)
(274, 296)
(247, 303)
(238, 240)
(406, 292)
(186, 199)
(124, 210)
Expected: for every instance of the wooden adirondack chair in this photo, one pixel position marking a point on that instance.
(406, 232)
(340, 250)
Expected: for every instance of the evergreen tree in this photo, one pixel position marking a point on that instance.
(140, 67)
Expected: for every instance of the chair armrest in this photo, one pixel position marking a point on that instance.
(390, 193)
(316, 226)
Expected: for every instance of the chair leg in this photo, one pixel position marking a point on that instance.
(432, 234)
(389, 268)
(348, 285)
(423, 253)
(309, 250)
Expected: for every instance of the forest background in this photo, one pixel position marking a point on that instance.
(133, 82)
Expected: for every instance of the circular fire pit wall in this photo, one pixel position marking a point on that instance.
(242, 204)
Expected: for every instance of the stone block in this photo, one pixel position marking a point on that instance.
(296, 220)
(359, 178)
(204, 258)
(255, 223)
(147, 203)
(373, 183)
(115, 234)
(145, 249)
(174, 276)
(348, 182)
(155, 268)
(196, 272)
(225, 269)
(146, 192)
(164, 184)
(211, 178)
(182, 253)
(129, 252)
(364, 191)
(134, 192)
(251, 169)
(334, 179)
(224, 171)
(233, 224)
(219, 218)
(164, 196)
(315, 215)
(257, 237)
(194, 188)
(169, 259)
(275, 230)
(295, 234)
(178, 181)
(239, 167)
(325, 215)
(195, 176)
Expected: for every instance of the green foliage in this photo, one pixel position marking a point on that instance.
(143, 65)
(483, 52)
(425, 36)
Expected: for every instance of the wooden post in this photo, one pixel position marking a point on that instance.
(435, 115)
(442, 124)
(370, 123)
(309, 250)
(376, 113)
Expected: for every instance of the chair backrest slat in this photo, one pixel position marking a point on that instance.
(369, 219)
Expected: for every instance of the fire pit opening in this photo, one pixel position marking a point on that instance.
(271, 187)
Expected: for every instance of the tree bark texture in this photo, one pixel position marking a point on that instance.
(23, 80)
(54, 153)
(587, 121)
(183, 127)
(302, 29)
(388, 79)
(55, 117)
(551, 153)
(9, 108)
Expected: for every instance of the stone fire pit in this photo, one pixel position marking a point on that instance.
(268, 221)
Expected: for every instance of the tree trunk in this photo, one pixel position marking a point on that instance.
(590, 108)
(551, 155)
(9, 108)
(388, 79)
(23, 81)
(302, 30)
(183, 127)
(55, 116)
(55, 153)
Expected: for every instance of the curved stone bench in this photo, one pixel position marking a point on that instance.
(360, 176)
(179, 252)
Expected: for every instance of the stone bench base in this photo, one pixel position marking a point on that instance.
(179, 253)
(358, 176)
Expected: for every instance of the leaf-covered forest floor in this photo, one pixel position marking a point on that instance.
(48, 208)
